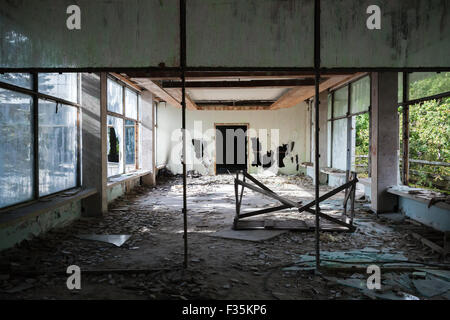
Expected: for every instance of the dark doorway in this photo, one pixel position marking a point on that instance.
(231, 148)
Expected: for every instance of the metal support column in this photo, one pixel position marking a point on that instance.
(183, 120)
(316, 126)
(405, 132)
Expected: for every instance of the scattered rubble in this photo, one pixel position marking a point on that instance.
(149, 264)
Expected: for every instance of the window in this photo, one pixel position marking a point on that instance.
(18, 79)
(424, 130)
(57, 147)
(348, 128)
(63, 86)
(115, 146)
(37, 161)
(16, 153)
(115, 97)
(123, 128)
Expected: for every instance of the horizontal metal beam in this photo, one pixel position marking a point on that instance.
(241, 84)
(203, 103)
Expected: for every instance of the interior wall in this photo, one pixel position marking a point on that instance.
(168, 122)
(285, 131)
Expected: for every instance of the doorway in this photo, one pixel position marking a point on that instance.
(231, 148)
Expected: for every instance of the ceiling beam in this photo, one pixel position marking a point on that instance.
(241, 84)
(126, 80)
(218, 75)
(237, 103)
(232, 108)
(158, 91)
(177, 94)
(300, 94)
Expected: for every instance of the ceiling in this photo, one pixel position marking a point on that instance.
(238, 90)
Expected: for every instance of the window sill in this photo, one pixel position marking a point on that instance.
(422, 195)
(333, 171)
(126, 177)
(44, 205)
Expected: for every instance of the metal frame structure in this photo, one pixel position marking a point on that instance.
(349, 187)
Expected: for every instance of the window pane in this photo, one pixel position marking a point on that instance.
(115, 144)
(360, 95)
(400, 87)
(16, 152)
(130, 145)
(17, 79)
(115, 97)
(140, 107)
(339, 157)
(424, 84)
(130, 104)
(63, 86)
(341, 102)
(330, 102)
(57, 147)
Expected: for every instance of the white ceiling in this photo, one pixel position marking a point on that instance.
(235, 94)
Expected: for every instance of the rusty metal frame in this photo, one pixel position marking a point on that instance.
(349, 187)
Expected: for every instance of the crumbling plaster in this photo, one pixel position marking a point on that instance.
(274, 128)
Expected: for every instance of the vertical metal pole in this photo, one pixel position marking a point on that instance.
(183, 119)
(79, 132)
(35, 136)
(348, 165)
(316, 126)
(405, 123)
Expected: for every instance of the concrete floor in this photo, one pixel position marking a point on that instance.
(218, 268)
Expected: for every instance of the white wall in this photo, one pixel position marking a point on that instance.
(290, 125)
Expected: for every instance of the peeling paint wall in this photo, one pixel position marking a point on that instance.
(284, 132)
(115, 191)
(33, 225)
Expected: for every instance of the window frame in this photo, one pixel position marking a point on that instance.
(36, 96)
(349, 115)
(137, 123)
(406, 102)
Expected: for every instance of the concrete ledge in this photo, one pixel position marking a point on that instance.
(118, 186)
(36, 208)
(126, 177)
(414, 197)
(39, 217)
(437, 216)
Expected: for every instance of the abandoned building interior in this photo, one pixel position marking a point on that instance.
(96, 171)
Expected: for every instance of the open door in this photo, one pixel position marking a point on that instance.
(231, 148)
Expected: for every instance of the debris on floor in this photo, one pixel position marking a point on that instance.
(115, 239)
(248, 235)
(219, 267)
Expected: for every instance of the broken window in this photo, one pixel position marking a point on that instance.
(123, 124)
(115, 145)
(427, 133)
(16, 153)
(57, 147)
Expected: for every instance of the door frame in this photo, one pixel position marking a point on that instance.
(215, 140)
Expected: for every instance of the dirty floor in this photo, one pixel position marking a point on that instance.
(219, 268)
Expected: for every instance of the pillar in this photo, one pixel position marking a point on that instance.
(385, 140)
